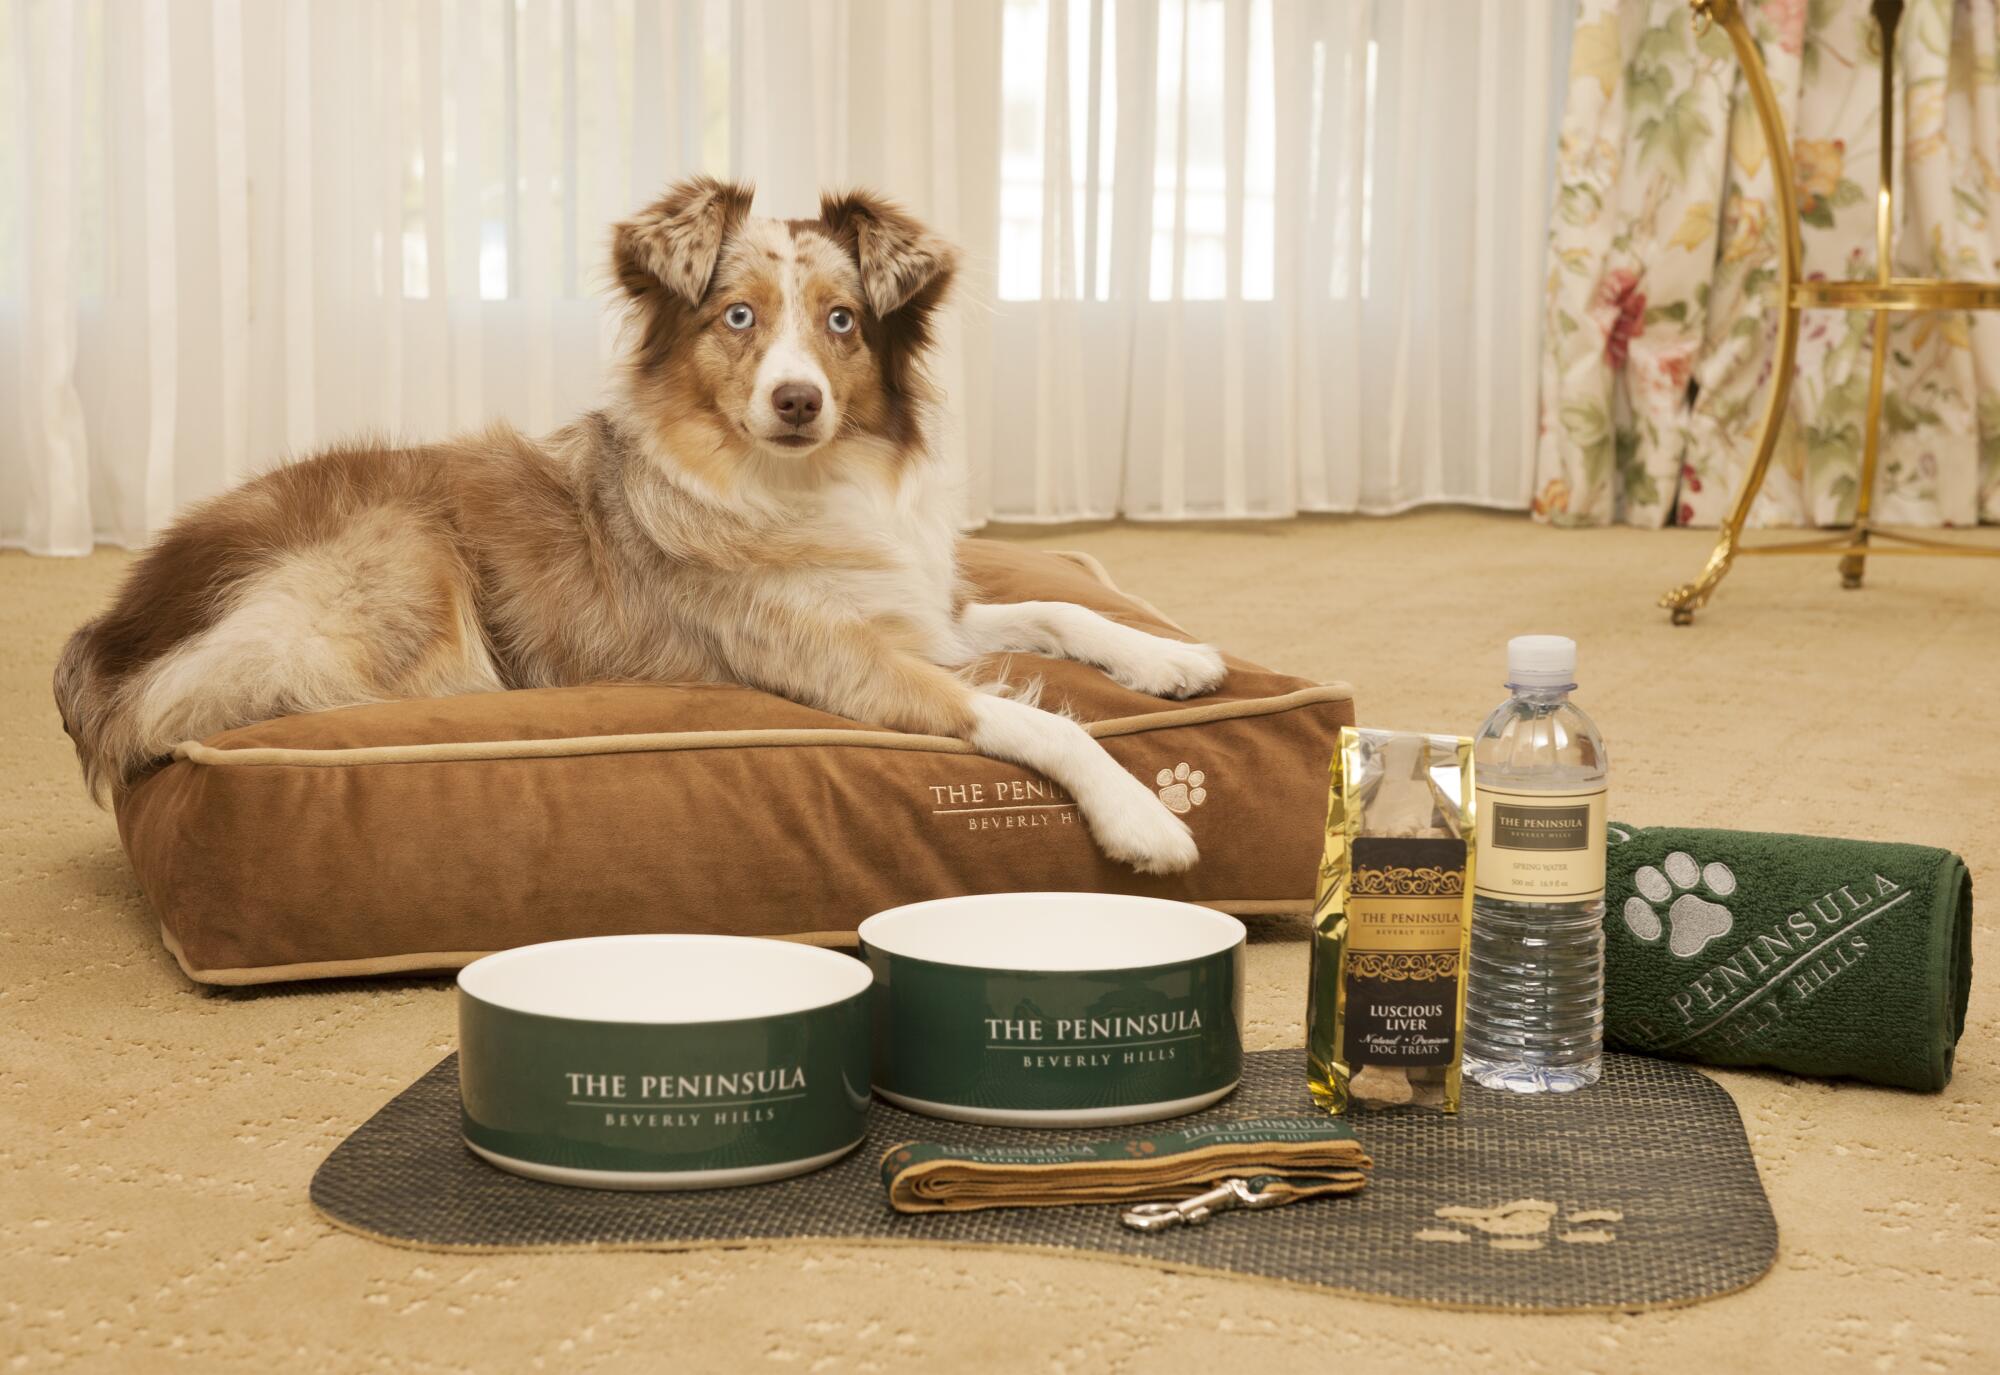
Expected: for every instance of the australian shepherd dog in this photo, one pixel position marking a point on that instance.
(758, 503)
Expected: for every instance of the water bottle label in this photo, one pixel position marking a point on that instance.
(1540, 847)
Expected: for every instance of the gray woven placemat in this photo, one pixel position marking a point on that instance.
(1655, 1144)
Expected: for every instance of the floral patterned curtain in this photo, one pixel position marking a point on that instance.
(1664, 263)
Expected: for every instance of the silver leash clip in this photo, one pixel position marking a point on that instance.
(1225, 1197)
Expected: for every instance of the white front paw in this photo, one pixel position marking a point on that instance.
(1168, 668)
(1137, 830)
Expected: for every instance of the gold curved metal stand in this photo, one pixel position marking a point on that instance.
(1884, 296)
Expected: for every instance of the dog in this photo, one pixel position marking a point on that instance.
(757, 502)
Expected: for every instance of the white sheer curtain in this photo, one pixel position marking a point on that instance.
(1225, 257)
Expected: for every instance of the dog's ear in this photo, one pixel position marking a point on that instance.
(902, 263)
(674, 243)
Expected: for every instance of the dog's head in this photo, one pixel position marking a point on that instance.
(762, 342)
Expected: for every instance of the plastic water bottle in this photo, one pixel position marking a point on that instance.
(1534, 996)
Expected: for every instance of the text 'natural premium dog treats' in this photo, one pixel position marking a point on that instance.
(1385, 1016)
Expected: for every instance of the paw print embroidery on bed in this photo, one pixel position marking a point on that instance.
(1692, 921)
(1181, 788)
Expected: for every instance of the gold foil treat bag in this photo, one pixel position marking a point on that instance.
(1385, 1014)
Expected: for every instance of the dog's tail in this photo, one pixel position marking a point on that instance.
(89, 707)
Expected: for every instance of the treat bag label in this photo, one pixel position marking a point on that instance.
(1405, 909)
(1538, 847)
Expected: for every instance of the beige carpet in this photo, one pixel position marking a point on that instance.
(157, 1139)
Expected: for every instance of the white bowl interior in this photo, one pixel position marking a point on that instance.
(1052, 931)
(664, 979)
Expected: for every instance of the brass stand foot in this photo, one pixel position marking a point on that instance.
(1683, 601)
(1850, 571)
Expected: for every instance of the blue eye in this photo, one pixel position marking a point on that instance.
(739, 317)
(840, 320)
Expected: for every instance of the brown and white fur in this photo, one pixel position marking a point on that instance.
(757, 503)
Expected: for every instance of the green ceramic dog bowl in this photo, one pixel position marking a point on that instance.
(1055, 1009)
(663, 1062)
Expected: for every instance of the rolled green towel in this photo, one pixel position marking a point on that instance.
(1835, 958)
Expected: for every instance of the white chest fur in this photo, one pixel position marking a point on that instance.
(909, 527)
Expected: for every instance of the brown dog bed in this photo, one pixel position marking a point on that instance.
(420, 835)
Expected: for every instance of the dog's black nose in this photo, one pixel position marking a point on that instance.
(797, 403)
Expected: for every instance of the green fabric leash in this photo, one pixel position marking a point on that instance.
(1833, 958)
